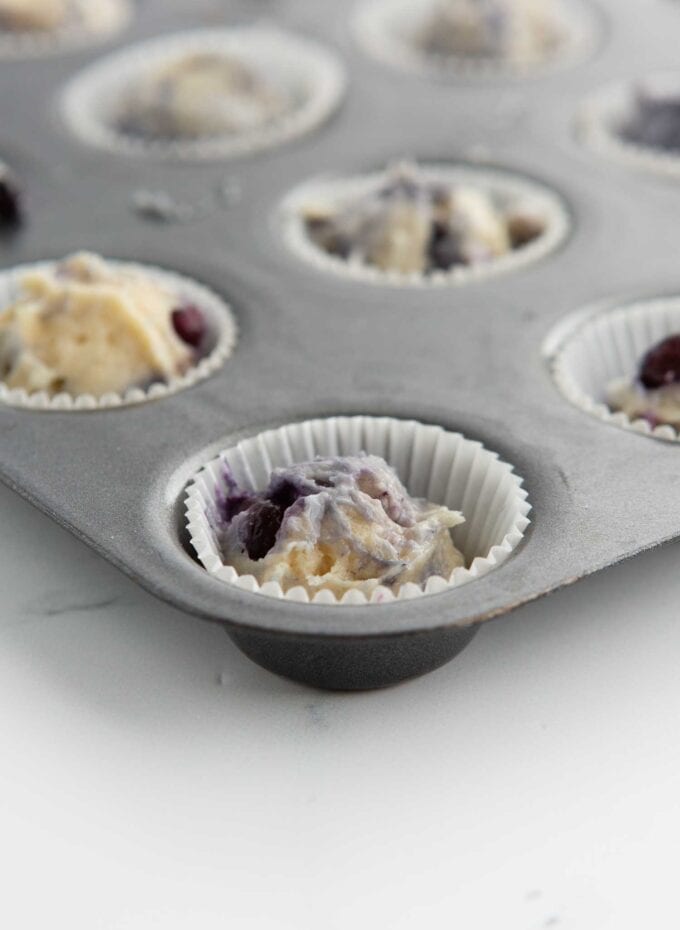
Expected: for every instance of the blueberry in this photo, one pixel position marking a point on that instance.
(444, 248)
(189, 324)
(259, 528)
(661, 365)
(11, 211)
(283, 493)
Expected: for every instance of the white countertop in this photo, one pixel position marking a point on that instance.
(152, 777)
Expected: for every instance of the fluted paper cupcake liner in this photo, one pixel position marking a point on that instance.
(101, 19)
(504, 187)
(221, 327)
(387, 28)
(604, 346)
(443, 467)
(604, 114)
(313, 75)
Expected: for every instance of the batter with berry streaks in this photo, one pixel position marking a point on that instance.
(505, 30)
(411, 225)
(338, 524)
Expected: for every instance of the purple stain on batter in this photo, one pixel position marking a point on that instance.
(652, 419)
(261, 514)
(235, 504)
(497, 24)
(230, 498)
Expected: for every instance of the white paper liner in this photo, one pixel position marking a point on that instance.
(311, 72)
(105, 18)
(503, 186)
(386, 29)
(443, 467)
(605, 112)
(602, 347)
(221, 323)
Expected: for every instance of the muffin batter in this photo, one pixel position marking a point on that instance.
(655, 394)
(411, 225)
(89, 327)
(336, 523)
(33, 15)
(511, 30)
(655, 121)
(200, 95)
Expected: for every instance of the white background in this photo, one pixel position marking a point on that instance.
(152, 777)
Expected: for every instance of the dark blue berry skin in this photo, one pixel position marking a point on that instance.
(11, 207)
(261, 514)
(258, 530)
(283, 493)
(661, 365)
(444, 248)
(189, 324)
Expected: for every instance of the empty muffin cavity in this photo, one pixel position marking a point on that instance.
(622, 365)
(34, 28)
(205, 94)
(88, 333)
(463, 37)
(423, 224)
(446, 478)
(637, 122)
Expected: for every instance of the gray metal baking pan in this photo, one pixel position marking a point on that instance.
(312, 344)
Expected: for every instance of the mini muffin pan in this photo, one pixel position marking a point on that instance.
(471, 359)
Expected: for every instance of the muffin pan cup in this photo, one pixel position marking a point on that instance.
(605, 112)
(221, 338)
(384, 28)
(313, 345)
(106, 19)
(601, 347)
(507, 189)
(434, 464)
(297, 65)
